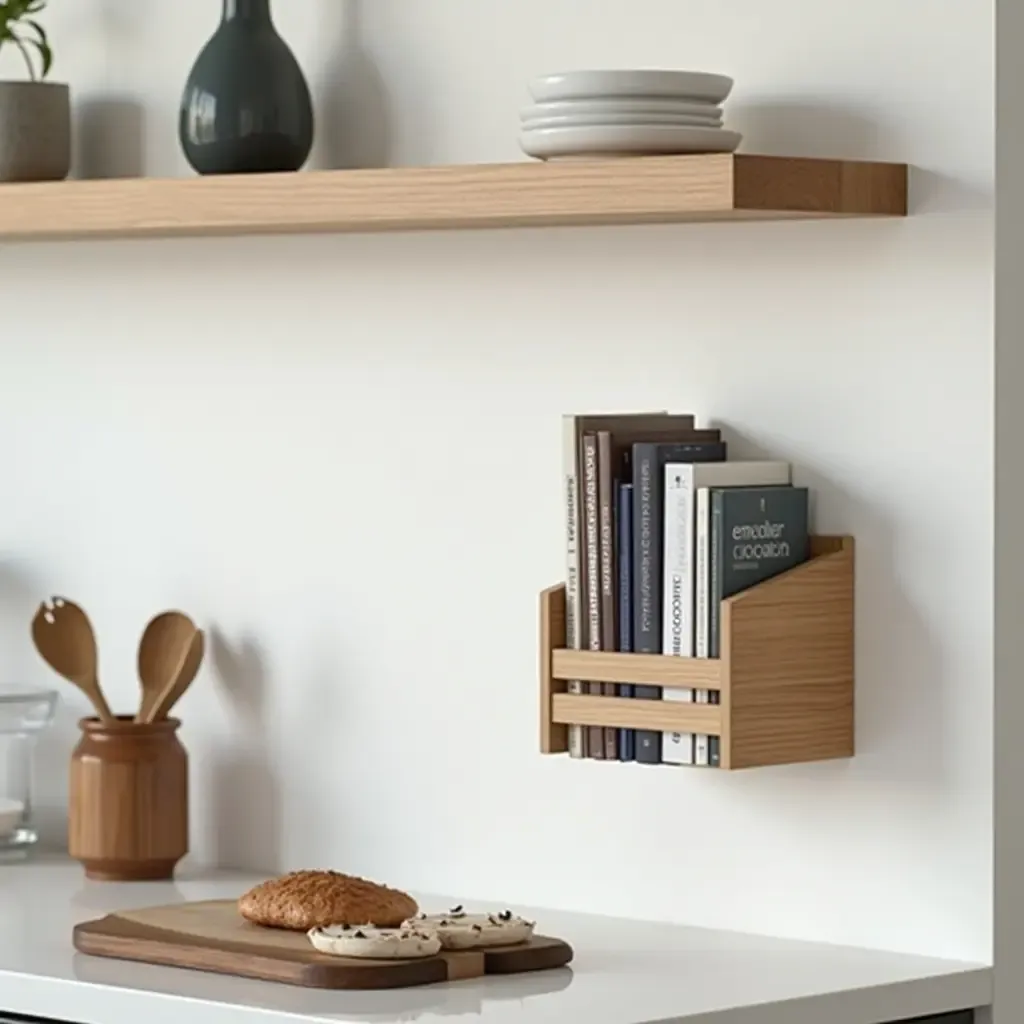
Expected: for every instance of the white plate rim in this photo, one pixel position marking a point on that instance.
(622, 105)
(610, 82)
(620, 121)
(551, 141)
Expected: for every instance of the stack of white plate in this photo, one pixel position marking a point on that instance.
(626, 113)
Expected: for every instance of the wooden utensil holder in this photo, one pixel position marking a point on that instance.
(128, 815)
(785, 677)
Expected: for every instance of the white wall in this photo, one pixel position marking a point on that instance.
(343, 455)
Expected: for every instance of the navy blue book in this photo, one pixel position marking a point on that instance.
(649, 461)
(624, 555)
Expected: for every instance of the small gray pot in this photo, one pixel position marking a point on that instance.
(35, 131)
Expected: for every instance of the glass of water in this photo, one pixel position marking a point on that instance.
(24, 713)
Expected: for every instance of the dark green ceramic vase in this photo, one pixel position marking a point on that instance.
(247, 107)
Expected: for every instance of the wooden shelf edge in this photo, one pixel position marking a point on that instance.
(849, 188)
(642, 190)
(642, 669)
(624, 713)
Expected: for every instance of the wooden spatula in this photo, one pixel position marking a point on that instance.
(182, 679)
(64, 637)
(163, 651)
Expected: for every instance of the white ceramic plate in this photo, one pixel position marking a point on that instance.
(690, 85)
(638, 120)
(551, 143)
(611, 105)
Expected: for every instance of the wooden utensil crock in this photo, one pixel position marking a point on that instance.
(128, 818)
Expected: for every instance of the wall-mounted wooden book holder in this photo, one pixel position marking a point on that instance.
(785, 675)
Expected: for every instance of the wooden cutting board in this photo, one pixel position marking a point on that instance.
(212, 936)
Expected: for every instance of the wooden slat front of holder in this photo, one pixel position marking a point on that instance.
(643, 669)
(624, 713)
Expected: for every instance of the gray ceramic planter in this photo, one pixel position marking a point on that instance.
(35, 131)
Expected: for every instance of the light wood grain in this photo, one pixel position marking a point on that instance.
(823, 187)
(165, 647)
(212, 936)
(785, 677)
(642, 669)
(789, 647)
(554, 738)
(626, 713)
(529, 194)
(65, 640)
(128, 800)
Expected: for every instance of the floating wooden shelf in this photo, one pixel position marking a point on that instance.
(530, 194)
(785, 677)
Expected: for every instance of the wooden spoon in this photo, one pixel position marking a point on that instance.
(162, 652)
(64, 637)
(182, 679)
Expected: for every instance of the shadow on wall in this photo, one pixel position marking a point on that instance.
(353, 127)
(109, 138)
(784, 127)
(787, 127)
(903, 701)
(246, 796)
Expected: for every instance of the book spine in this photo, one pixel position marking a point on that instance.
(627, 737)
(646, 592)
(714, 742)
(700, 741)
(573, 598)
(609, 583)
(700, 589)
(715, 571)
(701, 753)
(701, 603)
(592, 577)
(677, 583)
(677, 630)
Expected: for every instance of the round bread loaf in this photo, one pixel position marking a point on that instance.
(318, 899)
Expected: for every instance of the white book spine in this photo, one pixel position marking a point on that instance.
(677, 597)
(573, 608)
(702, 561)
(700, 741)
(701, 696)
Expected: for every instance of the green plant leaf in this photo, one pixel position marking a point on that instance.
(45, 55)
(42, 44)
(15, 22)
(20, 44)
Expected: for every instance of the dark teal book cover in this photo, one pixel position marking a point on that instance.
(756, 533)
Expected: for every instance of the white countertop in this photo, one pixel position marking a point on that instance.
(625, 972)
